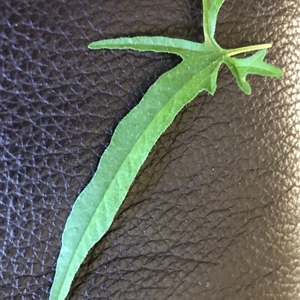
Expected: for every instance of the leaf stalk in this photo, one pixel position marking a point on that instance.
(236, 51)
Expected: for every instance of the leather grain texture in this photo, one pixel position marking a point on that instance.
(215, 210)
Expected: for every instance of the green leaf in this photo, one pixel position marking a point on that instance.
(95, 208)
(210, 12)
(146, 43)
(254, 64)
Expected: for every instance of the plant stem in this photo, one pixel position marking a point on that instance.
(232, 52)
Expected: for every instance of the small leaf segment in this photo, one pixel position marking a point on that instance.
(94, 210)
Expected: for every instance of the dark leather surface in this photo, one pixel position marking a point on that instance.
(214, 212)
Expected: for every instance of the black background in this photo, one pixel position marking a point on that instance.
(215, 210)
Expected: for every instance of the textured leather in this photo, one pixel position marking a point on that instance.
(215, 211)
